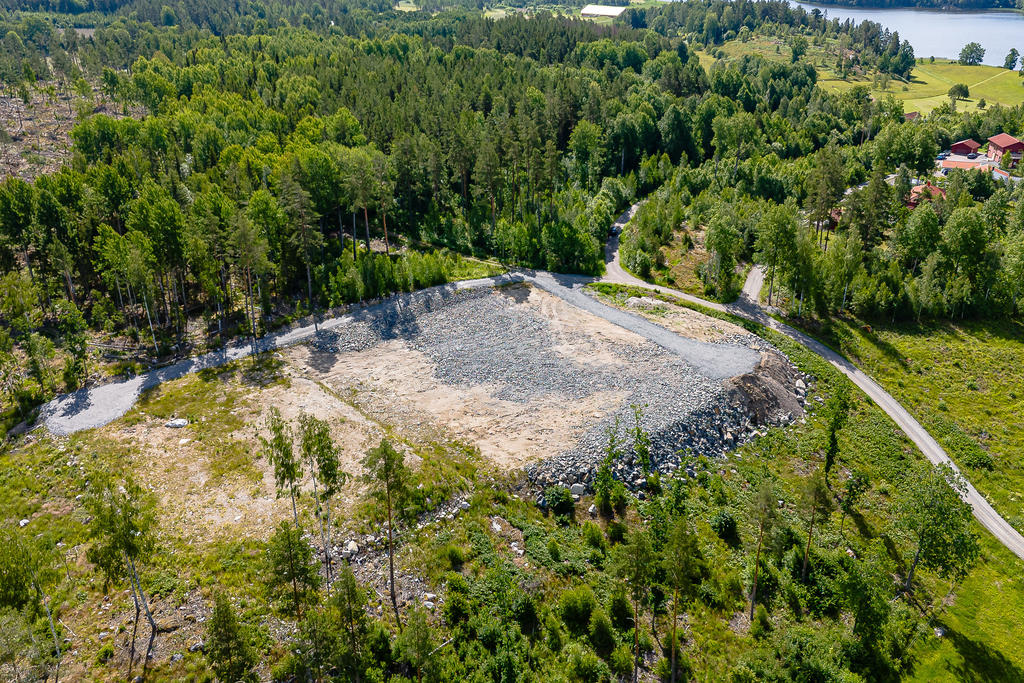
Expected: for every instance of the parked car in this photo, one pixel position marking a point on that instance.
(972, 155)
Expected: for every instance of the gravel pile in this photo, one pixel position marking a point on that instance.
(484, 337)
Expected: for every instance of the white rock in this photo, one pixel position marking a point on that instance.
(428, 604)
(182, 442)
(352, 547)
(800, 384)
(592, 510)
(429, 596)
(464, 505)
(177, 423)
(578, 489)
(23, 522)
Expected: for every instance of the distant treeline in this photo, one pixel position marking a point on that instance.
(931, 4)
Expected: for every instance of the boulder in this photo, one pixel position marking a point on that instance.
(352, 547)
(578, 489)
(177, 423)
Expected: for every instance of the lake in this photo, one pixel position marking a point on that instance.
(938, 33)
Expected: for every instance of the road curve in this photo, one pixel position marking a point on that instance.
(748, 306)
(96, 406)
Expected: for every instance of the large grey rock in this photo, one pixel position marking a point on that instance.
(177, 423)
(578, 489)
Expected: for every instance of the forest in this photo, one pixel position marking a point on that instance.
(235, 169)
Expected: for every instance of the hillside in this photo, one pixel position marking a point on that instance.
(317, 364)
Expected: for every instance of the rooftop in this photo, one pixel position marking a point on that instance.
(602, 11)
(1003, 140)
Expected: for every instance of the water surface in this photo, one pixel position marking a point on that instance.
(940, 33)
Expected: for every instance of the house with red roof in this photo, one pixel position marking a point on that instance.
(1003, 144)
(965, 147)
(924, 193)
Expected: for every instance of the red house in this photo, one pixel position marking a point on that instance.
(1002, 144)
(924, 193)
(965, 147)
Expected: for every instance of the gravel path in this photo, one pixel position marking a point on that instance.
(748, 306)
(404, 316)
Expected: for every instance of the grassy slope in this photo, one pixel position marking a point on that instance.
(926, 90)
(982, 620)
(930, 83)
(964, 383)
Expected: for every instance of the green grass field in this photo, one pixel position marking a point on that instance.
(927, 89)
(964, 383)
(931, 81)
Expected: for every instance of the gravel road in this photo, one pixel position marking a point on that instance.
(402, 317)
(748, 306)
(97, 406)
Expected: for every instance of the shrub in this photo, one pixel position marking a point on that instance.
(457, 608)
(593, 536)
(602, 636)
(584, 665)
(621, 661)
(576, 606)
(620, 609)
(105, 654)
(560, 500)
(724, 524)
(455, 557)
(762, 625)
(553, 551)
(619, 498)
(616, 532)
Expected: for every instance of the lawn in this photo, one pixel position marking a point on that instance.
(931, 81)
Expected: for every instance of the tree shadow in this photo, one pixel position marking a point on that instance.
(980, 662)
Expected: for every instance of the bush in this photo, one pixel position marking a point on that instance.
(576, 605)
(457, 608)
(762, 625)
(724, 524)
(559, 500)
(105, 654)
(553, 551)
(455, 556)
(602, 636)
(584, 665)
(616, 532)
(620, 609)
(619, 498)
(593, 536)
(622, 661)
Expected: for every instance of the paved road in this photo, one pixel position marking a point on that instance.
(748, 306)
